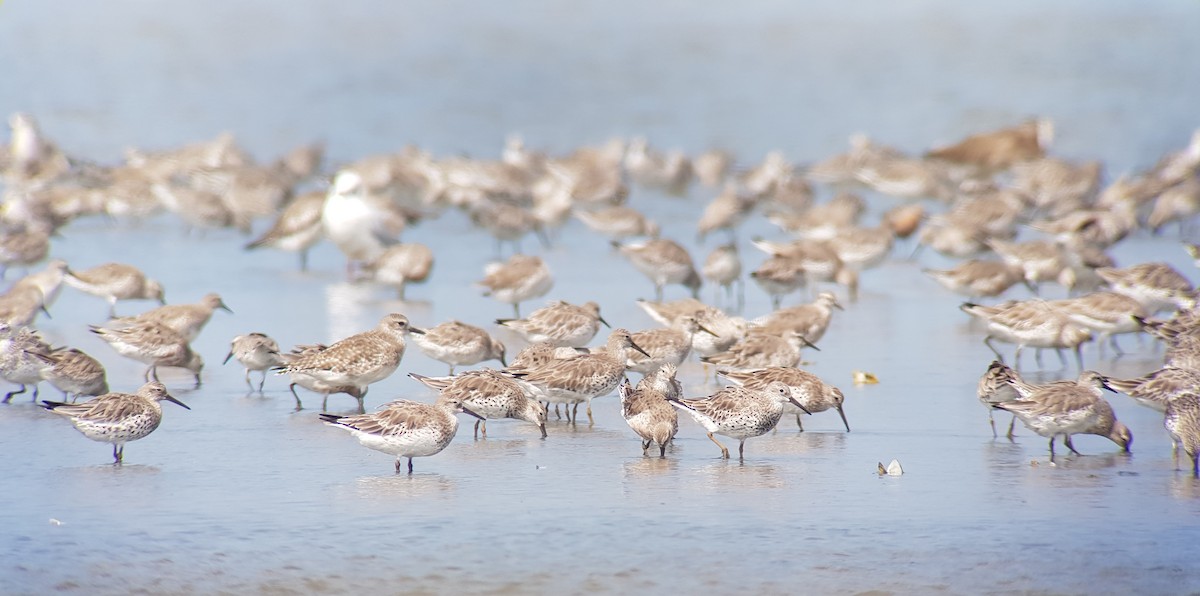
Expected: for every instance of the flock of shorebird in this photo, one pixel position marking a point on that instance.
(967, 201)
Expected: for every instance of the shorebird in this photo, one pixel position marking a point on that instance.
(402, 264)
(779, 276)
(1182, 421)
(725, 212)
(153, 344)
(72, 372)
(297, 229)
(490, 394)
(1107, 314)
(1033, 323)
(809, 320)
(520, 278)
(813, 394)
(405, 429)
(998, 384)
(665, 346)
(664, 261)
(1000, 149)
(185, 319)
(359, 360)
(48, 281)
(255, 351)
(618, 222)
(312, 383)
(361, 226)
(17, 364)
(723, 268)
(729, 330)
(1158, 286)
(739, 413)
(977, 279)
(761, 350)
(1038, 260)
(577, 380)
(20, 305)
(712, 166)
(1158, 388)
(648, 412)
(459, 344)
(117, 418)
(115, 281)
(1068, 409)
(559, 322)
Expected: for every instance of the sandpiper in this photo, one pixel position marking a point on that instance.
(1158, 286)
(1070, 408)
(17, 364)
(976, 279)
(459, 344)
(647, 410)
(297, 228)
(813, 394)
(311, 382)
(560, 323)
(185, 319)
(255, 351)
(1182, 421)
(739, 413)
(809, 320)
(402, 264)
(360, 359)
(664, 261)
(72, 372)
(1158, 388)
(117, 418)
(761, 350)
(153, 344)
(665, 346)
(520, 278)
(405, 429)
(114, 282)
(578, 380)
(723, 268)
(1033, 323)
(490, 394)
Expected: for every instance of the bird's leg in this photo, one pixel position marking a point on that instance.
(1196, 465)
(303, 261)
(483, 428)
(1112, 339)
(1037, 357)
(121, 454)
(1079, 357)
(1061, 359)
(724, 451)
(645, 446)
(477, 428)
(262, 382)
(991, 421)
(325, 403)
(799, 423)
(410, 466)
(987, 341)
(299, 406)
(362, 408)
(589, 413)
(574, 417)
(658, 292)
(250, 385)
(741, 450)
(397, 465)
(1011, 424)
(662, 450)
(1067, 442)
(8, 397)
(116, 454)
(1051, 448)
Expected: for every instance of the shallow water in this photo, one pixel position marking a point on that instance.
(243, 495)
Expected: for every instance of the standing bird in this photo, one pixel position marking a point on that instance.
(459, 344)
(405, 429)
(359, 360)
(813, 394)
(647, 410)
(361, 226)
(114, 282)
(723, 268)
(577, 380)
(117, 418)
(310, 381)
(1182, 421)
(255, 351)
(761, 350)
(739, 413)
(997, 385)
(297, 228)
(17, 364)
(560, 323)
(73, 372)
(520, 278)
(1068, 409)
(665, 345)
(185, 319)
(809, 320)
(402, 264)
(664, 261)
(153, 344)
(490, 394)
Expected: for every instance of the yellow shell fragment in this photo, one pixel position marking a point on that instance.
(862, 377)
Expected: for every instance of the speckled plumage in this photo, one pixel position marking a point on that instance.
(729, 330)
(1182, 421)
(17, 365)
(738, 412)
(154, 344)
(312, 383)
(405, 429)
(1067, 409)
(114, 282)
(665, 346)
(646, 408)
(561, 323)
(809, 320)
(1158, 286)
(73, 372)
(581, 379)
(255, 351)
(1158, 388)
(760, 350)
(998, 384)
(1032, 323)
(117, 418)
(490, 394)
(360, 359)
(459, 344)
(185, 319)
(813, 394)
